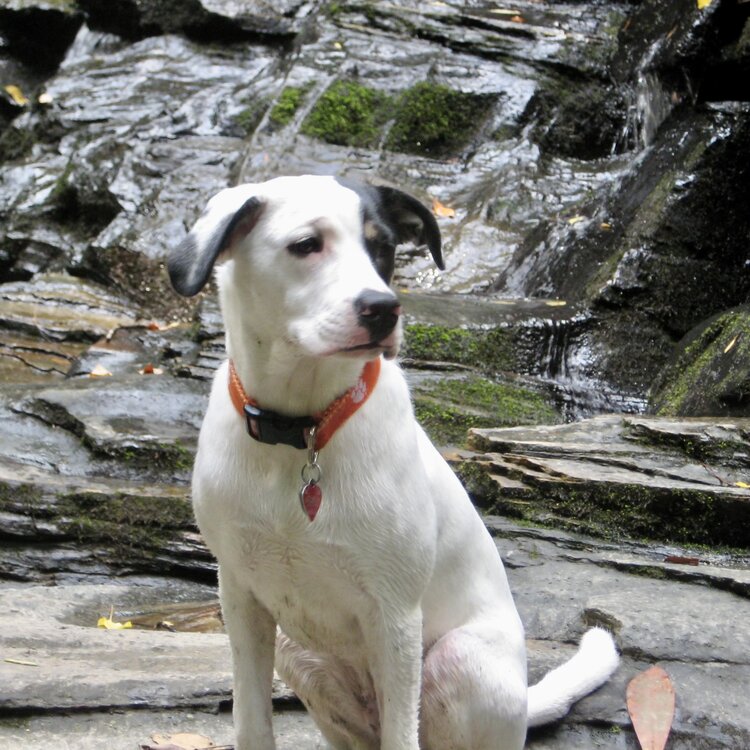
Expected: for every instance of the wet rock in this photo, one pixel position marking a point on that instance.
(63, 308)
(582, 121)
(207, 20)
(126, 418)
(654, 258)
(708, 373)
(680, 481)
(39, 32)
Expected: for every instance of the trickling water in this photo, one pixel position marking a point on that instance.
(649, 104)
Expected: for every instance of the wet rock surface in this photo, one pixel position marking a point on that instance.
(680, 616)
(588, 165)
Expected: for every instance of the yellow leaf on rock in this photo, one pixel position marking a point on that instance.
(731, 344)
(16, 95)
(743, 485)
(575, 219)
(555, 303)
(439, 209)
(109, 624)
(704, 4)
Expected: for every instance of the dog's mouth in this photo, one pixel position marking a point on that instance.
(388, 347)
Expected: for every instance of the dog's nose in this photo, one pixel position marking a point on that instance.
(377, 312)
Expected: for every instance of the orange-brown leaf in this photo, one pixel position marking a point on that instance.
(650, 699)
(440, 209)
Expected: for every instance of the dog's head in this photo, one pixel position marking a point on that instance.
(307, 261)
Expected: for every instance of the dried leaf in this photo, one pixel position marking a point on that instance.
(518, 19)
(16, 95)
(179, 741)
(731, 344)
(743, 485)
(575, 219)
(682, 560)
(109, 624)
(100, 371)
(650, 699)
(21, 662)
(605, 225)
(555, 302)
(439, 209)
(149, 369)
(704, 4)
(154, 326)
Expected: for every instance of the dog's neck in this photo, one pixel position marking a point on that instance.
(279, 379)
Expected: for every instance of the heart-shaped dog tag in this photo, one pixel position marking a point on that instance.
(311, 496)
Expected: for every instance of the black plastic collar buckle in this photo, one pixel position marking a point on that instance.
(273, 428)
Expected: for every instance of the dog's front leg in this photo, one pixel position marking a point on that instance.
(395, 647)
(252, 636)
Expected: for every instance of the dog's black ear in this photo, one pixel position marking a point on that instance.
(411, 221)
(191, 262)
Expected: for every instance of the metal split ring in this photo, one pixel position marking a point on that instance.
(311, 473)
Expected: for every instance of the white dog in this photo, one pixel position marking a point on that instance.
(335, 519)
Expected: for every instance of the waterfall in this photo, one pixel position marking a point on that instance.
(648, 102)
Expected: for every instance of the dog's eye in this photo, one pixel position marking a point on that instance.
(306, 246)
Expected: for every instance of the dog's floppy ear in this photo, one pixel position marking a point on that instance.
(411, 221)
(218, 228)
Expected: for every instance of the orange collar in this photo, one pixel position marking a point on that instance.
(271, 427)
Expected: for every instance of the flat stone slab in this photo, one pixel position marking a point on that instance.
(650, 477)
(684, 617)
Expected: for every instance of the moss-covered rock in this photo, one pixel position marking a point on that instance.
(127, 523)
(674, 480)
(436, 120)
(287, 105)
(348, 114)
(710, 372)
(447, 407)
(490, 350)
(247, 120)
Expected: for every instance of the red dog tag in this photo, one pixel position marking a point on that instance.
(311, 497)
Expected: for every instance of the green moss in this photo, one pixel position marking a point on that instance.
(491, 350)
(448, 408)
(287, 105)
(146, 455)
(124, 522)
(710, 374)
(613, 510)
(348, 114)
(435, 120)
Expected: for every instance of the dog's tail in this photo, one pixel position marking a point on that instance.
(590, 667)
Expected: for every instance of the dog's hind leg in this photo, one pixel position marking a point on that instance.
(473, 693)
(341, 700)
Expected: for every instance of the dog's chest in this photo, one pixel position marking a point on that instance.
(316, 592)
